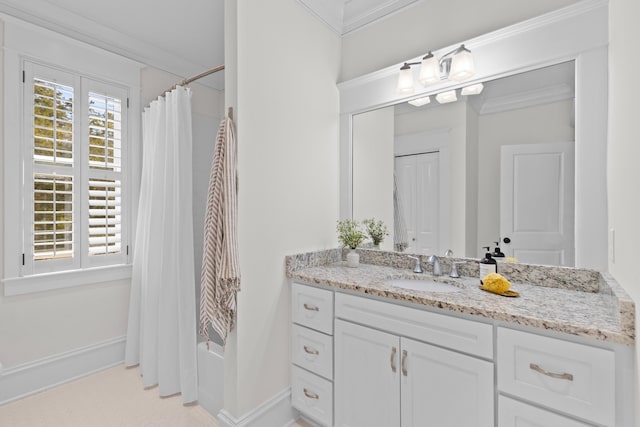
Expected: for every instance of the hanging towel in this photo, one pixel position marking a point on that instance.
(400, 237)
(220, 276)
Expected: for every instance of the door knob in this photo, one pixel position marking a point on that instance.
(506, 240)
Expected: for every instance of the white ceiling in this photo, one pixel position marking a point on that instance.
(183, 37)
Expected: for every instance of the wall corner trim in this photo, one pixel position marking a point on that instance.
(39, 375)
(275, 412)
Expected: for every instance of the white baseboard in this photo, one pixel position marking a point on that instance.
(275, 412)
(32, 377)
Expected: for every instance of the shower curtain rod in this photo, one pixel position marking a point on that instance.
(194, 78)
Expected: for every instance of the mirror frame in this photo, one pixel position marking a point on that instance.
(578, 32)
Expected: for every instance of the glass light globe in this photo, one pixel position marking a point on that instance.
(462, 65)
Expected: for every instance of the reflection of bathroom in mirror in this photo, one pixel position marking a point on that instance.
(490, 166)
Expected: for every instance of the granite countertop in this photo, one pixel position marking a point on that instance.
(574, 301)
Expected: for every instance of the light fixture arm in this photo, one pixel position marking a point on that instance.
(445, 60)
(408, 65)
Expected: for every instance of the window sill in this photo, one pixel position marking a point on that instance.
(65, 279)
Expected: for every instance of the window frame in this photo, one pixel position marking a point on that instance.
(80, 170)
(28, 43)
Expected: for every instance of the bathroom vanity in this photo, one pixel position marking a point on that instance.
(368, 353)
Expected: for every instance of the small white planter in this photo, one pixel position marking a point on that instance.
(353, 259)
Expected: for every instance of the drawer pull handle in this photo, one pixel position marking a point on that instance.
(393, 359)
(404, 362)
(568, 377)
(311, 307)
(310, 350)
(310, 395)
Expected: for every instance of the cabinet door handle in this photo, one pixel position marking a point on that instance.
(310, 350)
(310, 395)
(565, 376)
(404, 362)
(393, 359)
(311, 307)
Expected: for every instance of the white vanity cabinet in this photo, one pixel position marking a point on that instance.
(365, 362)
(312, 353)
(566, 377)
(385, 377)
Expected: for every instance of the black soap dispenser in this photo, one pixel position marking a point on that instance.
(497, 253)
(488, 265)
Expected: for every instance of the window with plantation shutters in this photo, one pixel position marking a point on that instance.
(74, 171)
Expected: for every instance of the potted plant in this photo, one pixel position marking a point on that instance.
(349, 234)
(376, 230)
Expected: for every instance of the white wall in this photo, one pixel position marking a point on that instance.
(373, 166)
(624, 152)
(431, 25)
(44, 324)
(287, 121)
(532, 125)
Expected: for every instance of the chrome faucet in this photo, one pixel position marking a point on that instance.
(435, 262)
(418, 267)
(454, 269)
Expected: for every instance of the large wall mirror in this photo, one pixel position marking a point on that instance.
(489, 169)
(524, 160)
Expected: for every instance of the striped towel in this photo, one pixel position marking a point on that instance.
(220, 276)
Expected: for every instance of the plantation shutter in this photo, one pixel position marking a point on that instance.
(52, 132)
(50, 170)
(105, 167)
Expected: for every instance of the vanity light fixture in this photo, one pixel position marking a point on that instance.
(445, 97)
(457, 65)
(405, 80)
(420, 101)
(472, 90)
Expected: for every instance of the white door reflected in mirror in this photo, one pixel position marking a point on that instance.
(537, 202)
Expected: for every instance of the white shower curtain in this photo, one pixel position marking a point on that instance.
(161, 334)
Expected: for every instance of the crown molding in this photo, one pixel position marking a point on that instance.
(332, 13)
(525, 99)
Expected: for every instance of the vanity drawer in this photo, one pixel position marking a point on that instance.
(312, 350)
(572, 378)
(312, 395)
(446, 331)
(312, 307)
(512, 413)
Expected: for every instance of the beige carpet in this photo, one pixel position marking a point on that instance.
(111, 398)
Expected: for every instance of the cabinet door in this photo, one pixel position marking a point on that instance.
(367, 369)
(441, 388)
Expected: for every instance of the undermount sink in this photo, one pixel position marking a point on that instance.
(427, 285)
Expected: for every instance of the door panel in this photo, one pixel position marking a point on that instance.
(418, 179)
(367, 390)
(428, 201)
(445, 388)
(537, 202)
(405, 170)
